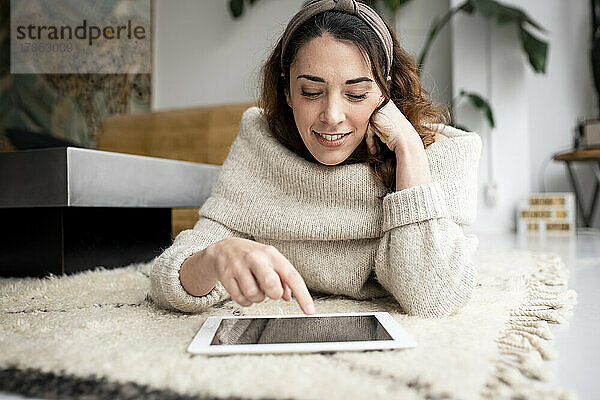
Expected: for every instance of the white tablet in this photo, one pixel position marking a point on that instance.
(299, 334)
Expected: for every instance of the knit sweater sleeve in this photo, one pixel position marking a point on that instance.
(166, 289)
(424, 258)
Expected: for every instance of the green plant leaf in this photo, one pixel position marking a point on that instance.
(479, 103)
(393, 5)
(536, 50)
(436, 27)
(236, 7)
(467, 7)
(503, 13)
(486, 8)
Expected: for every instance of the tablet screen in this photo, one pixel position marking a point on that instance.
(299, 330)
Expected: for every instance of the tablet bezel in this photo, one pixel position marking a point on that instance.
(201, 342)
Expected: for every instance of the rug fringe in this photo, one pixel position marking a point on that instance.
(525, 342)
(513, 384)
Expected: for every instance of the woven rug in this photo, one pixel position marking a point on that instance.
(97, 335)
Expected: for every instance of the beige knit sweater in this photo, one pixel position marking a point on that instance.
(328, 222)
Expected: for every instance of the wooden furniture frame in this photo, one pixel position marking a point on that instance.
(591, 157)
(200, 134)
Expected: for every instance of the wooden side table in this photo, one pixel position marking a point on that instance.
(592, 157)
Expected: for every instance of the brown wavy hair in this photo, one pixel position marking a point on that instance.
(405, 90)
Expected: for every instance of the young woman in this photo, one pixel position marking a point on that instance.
(342, 181)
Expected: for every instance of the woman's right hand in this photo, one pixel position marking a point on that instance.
(250, 270)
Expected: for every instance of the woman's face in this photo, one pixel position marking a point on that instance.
(332, 92)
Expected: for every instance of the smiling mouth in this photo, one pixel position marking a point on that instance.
(332, 137)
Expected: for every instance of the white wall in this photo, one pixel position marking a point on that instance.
(499, 75)
(202, 56)
(558, 98)
(412, 25)
(535, 114)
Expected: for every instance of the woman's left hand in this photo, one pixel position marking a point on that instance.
(412, 165)
(396, 131)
